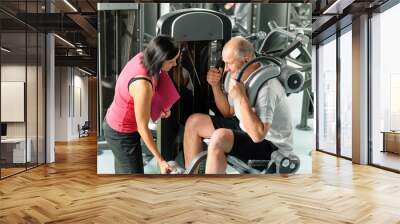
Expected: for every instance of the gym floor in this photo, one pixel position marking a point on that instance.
(70, 191)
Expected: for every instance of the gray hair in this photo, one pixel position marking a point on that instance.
(244, 48)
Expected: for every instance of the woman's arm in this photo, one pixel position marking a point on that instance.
(141, 91)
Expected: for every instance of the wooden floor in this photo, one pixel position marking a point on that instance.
(387, 159)
(70, 191)
(10, 171)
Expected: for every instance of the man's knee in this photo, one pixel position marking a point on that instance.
(194, 120)
(221, 141)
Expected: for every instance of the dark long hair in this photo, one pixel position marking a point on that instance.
(160, 49)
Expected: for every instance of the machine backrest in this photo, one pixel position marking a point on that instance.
(271, 67)
(195, 25)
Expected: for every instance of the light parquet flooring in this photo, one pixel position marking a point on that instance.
(387, 159)
(10, 171)
(70, 191)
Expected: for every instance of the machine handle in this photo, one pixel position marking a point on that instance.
(262, 58)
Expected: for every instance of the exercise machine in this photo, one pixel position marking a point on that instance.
(201, 34)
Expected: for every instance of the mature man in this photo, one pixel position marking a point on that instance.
(244, 132)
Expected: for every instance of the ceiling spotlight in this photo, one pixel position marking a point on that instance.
(70, 5)
(64, 40)
(5, 50)
(84, 71)
(337, 7)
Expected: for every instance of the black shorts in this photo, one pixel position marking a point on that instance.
(243, 146)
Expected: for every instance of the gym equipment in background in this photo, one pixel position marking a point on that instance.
(201, 33)
(293, 47)
(212, 30)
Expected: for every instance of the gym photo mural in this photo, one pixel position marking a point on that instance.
(205, 88)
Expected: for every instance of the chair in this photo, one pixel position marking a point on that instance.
(84, 129)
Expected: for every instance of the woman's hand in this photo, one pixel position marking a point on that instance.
(164, 167)
(165, 114)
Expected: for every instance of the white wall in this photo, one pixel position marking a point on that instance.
(80, 100)
(61, 103)
(71, 94)
(17, 73)
(33, 126)
(14, 72)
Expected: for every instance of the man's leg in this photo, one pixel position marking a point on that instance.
(221, 143)
(197, 127)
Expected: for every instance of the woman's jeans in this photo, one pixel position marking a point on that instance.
(126, 149)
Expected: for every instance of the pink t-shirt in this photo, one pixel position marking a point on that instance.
(121, 114)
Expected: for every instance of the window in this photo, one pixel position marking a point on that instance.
(385, 86)
(22, 76)
(327, 96)
(346, 93)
